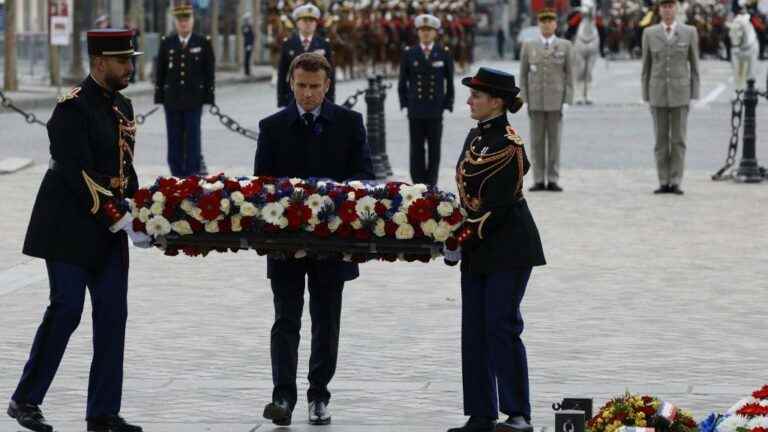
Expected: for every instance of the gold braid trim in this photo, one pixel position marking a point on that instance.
(481, 220)
(95, 188)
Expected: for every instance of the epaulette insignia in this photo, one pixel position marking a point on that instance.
(514, 137)
(71, 95)
(208, 37)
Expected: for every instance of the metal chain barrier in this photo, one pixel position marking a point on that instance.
(141, 118)
(737, 115)
(231, 124)
(6, 102)
(352, 100)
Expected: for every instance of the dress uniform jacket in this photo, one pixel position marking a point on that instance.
(546, 76)
(83, 193)
(489, 176)
(338, 150)
(670, 66)
(185, 75)
(425, 86)
(290, 50)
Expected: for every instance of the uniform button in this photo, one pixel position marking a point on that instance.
(182, 65)
(182, 81)
(182, 73)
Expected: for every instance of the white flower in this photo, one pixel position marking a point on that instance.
(365, 207)
(187, 205)
(313, 222)
(158, 197)
(356, 224)
(442, 232)
(387, 203)
(429, 227)
(197, 213)
(321, 184)
(237, 197)
(445, 209)
(134, 211)
(224, 205)
(158, 226)
(272, 212)
(157, 208)
(248, 209)
(182, 227)
(350, 196)
(409, 194)
(334, 223)
(732, 422)
(356, 184)
(315, 203)
(420, 187)
(379, 230)
(236, 226)
(269, 188)
(285, 202)
(144, 214)
(212, 227)
(211, 187)
(400, 218)
(295, 181)
(405, 232)
(300, 254)
(283, 222)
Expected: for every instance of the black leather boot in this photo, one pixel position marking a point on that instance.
(29, 416)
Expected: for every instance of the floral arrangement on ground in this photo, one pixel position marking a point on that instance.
(289, 207)
(747, 415)
(639, 411)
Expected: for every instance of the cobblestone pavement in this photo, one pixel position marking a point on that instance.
(646, 293)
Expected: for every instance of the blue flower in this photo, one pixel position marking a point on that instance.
(710, 423)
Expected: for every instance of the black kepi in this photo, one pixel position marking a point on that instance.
(111, 42)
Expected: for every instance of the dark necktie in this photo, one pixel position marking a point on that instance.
(305, 42)
(309, 120)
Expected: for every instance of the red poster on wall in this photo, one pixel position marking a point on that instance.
(61, 21)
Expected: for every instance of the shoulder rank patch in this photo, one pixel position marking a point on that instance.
(71, 95)
(514, 137)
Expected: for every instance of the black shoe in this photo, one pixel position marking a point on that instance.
(279, 412)
(318, 413)
(514, 424)
(675, 189)
(113, 423)
(537, 187)
(29, 416)
(662, 189)
(477, 424)
(554, 187)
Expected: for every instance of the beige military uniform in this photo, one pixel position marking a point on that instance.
(546, 83)
(670, 79)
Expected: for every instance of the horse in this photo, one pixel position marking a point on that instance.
(586, 48)
(744, 49)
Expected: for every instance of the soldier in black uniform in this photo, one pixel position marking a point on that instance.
(304, 40)
(499, 246)
(185, 82)
(248, 40)
(80, 225)
(426, 88)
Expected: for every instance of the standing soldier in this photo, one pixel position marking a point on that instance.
(80, 225)
(185, 82)
(304, 40)
(248, 40)
(426, 88)
(546, 80)
(670, 79)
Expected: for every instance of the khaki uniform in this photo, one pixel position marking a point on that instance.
(546, 83)
(670, 79)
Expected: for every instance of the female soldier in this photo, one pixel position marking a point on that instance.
(499, 246)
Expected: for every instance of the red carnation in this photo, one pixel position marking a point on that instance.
(753, 409)
(251, 189)
(390, 228)
(166, 182)
(247, 223)
(191, 251)
(648, 411)
(380, 209)
(420, 211)
(362, 234)
(393, 189)
(689, 422)
(646, 399)
(168, 212)
(359, 193)
(760, 429)
(344, 231)
(139, 226)
(297, 215)
(195, 225)
(225, 225)
(141, 196)
(232, 185)
(214, 178)
(321, 230)
(455, 218)
(210, 206)
(762, 393)
(347, 212)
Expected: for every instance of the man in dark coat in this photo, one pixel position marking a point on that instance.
(185, 82)
(311, 137)
(426, 88)
(304, 40)
(80, 225)
(248, 41)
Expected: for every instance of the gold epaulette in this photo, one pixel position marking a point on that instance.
(71, 95)
(514, 137)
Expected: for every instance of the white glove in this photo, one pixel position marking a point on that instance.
(452, 256)
(139, 239)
